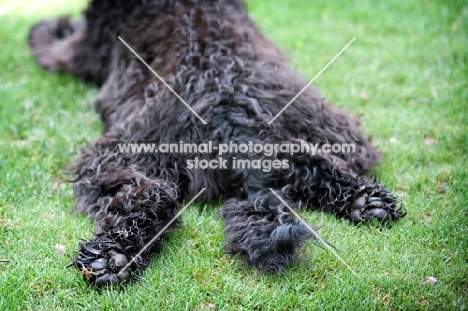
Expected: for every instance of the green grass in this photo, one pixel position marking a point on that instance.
(410, 61)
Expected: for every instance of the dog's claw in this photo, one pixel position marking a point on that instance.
(356, 216)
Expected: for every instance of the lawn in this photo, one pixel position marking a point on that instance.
(405, 76)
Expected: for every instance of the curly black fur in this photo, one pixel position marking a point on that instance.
(213, 55)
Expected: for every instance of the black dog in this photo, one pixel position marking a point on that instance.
(210, 53)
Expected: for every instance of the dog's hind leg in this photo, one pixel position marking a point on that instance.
(126, 221)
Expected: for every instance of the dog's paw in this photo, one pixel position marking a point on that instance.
(101, 266)
(104, 271)
(374, 202)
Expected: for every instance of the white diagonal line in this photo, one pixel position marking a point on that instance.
(160, 232)
(313, 79)
(162, 80)
(314, 232)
